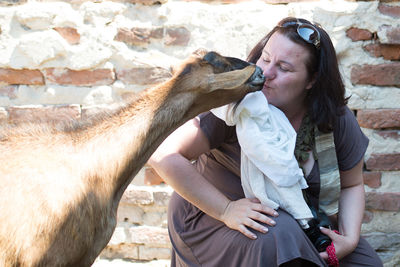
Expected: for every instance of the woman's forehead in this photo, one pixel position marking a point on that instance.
(283, 48)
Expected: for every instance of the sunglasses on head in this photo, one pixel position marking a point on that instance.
(306, 31)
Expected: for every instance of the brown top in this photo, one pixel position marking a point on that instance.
(199, 240)
(350, 144)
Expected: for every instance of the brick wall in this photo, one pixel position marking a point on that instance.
(66, 60)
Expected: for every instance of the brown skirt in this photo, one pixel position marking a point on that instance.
(199, 240)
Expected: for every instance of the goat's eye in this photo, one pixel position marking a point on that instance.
(186, 70)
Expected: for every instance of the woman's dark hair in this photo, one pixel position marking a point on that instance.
(327, 96)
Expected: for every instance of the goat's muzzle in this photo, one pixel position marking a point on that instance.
(256, 81)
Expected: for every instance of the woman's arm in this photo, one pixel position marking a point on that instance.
(351, 211)
(172, 161)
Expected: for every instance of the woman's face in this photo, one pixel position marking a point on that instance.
(283, 64)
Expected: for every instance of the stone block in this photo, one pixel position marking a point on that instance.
(386, 201)
(153, 218)
(381, 241)
(9, 91)
(387, 246)
(389, 134)
(151, 253)
(121, 251)
(150, 236)
(161, 198)
(134, 36)
(389, 34)
(11, 2)
(70, 34)
(382, 221)
(134, 195)
(177, 36)
(120, 236)
(144, 2)
(130, 213)
(3, 115)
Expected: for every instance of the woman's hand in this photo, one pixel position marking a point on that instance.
(248, 213)
(344, 245)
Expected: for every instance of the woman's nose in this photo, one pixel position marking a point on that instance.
(269, 72)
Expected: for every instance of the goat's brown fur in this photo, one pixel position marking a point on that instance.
(61, 184)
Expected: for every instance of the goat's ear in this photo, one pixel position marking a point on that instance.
(231, 79)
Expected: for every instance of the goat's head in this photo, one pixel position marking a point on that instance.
(211, 80)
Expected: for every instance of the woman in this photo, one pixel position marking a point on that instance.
(210, 221)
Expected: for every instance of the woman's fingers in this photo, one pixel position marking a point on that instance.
(250, 223)
(243, 229)
(246, 215)
(260, 217)
(262, 208)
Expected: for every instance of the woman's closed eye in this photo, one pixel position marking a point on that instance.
(284, 68)
(266, 59)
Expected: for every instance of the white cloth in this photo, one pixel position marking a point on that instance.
(269, 169)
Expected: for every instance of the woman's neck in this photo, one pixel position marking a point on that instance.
(296, 116)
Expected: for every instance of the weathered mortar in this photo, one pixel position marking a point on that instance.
(69, 59)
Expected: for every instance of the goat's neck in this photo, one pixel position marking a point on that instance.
(122, 144)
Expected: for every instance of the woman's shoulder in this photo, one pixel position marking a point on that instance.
(350, 141)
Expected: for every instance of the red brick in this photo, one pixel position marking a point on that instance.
(157, 33)
(70, 34)
(379, 75)
(19, 114)
(384, 162)
(24, 76)
(143, 76)
(177, 36)
(387, 51)
(382, 201)
(379, 118)
(134, 36)
(393, 11)
(9, 91)
(143, 36)
(372, 179)
(79, 77)
(356, 34)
